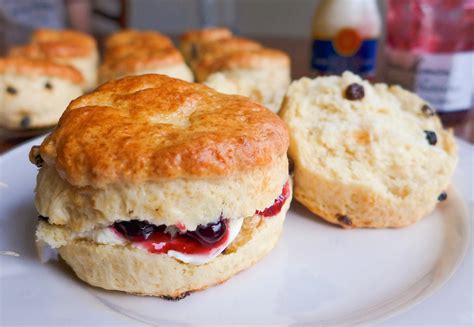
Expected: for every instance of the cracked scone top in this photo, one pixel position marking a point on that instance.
(118, 133)
(143, 141)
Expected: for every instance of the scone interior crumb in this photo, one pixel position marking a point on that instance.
(365, 152)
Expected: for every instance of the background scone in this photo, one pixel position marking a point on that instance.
(191, 41)
(155, 186)
(236, 65)
(262, 75)
(135, 53)
(34, 92)
(133, 38)
(366, 155)
(223, 46)
(65, 47)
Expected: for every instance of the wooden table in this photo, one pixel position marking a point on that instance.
(299, 49)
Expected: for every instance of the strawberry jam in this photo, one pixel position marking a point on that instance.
(154, 238)
(275, 208)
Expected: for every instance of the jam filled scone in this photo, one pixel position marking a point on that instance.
(156, 186)
(366, 155)
(34, 92)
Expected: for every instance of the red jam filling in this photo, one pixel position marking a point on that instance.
(163, 242)
(275, 208)
(154, 238)
(202, 241)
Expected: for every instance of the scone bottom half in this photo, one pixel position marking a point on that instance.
(366, 155)
(167, 233)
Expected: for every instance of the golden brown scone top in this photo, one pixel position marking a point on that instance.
(206, 34)
(134, 38)
(128, 59)
(129, 51)
(153, 127)
(239, 59)
(29, 66)
(64, 43)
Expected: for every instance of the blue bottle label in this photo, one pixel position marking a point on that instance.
(347, 51)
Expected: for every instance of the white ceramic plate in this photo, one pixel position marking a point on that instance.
(317, 274)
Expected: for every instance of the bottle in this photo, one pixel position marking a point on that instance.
(345, 37)
(430, 50)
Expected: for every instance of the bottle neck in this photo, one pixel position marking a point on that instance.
(334, 15)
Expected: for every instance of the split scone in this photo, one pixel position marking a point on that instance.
(65, 47)
(132, 52)
(366, 155)
(156, 186)
(34, 92)
(191, 41)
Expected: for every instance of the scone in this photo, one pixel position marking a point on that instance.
(133, 38)
(34, 92)
(260, 74)
(366, 155)
(191, 41)
(236, 65)
(156, 186)
(135, 53)
(221, 47)
(65, 47)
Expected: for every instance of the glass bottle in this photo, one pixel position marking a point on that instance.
(345, 37)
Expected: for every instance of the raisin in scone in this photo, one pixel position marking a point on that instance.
(156, 186)
(366, 155)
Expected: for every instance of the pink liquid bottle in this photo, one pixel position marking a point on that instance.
(430, 50)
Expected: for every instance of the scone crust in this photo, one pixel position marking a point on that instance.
(240, 59)
(64, 43)
(120, 60)
(153, 127)
(28, 66)
(220, 47)
(206, 34)
(133, 38)
(365, 163)
(133, 52)
(141, 273)
(191, 41)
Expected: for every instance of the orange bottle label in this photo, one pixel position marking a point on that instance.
(347, 42)
(347, 50)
